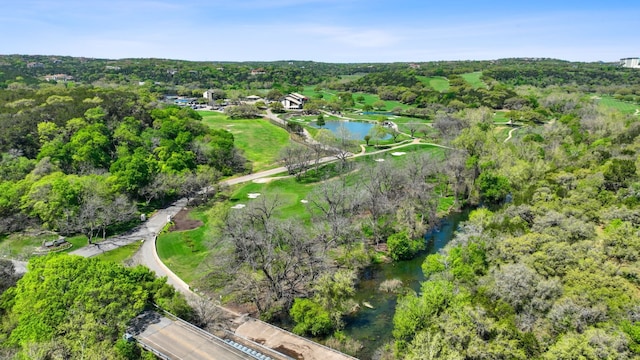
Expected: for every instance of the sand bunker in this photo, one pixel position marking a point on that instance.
(379, 160)
(238, 206)
(398, 153)
(304, 201)
(253, 195)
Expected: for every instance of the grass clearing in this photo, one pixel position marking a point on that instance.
(121, 254)
(500, 117)
(437, 83)
(474, 80)
(311, 93)
(502, 132)
(622, 106)
(260, 140)
(184, 251)
(24, 246)
(369, 99)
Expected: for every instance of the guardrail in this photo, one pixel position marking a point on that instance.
(210, 336)
(153, 351)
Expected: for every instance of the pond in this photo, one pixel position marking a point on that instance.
(373, 327)
(357, 129)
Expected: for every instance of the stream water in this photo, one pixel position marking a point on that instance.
(373, 327)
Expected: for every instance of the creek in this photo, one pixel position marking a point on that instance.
(373, 327)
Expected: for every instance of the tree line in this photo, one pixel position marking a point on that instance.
(76, 160)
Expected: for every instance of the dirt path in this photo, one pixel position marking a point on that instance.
(510, 134)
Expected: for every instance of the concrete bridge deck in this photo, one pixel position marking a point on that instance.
(175, 339)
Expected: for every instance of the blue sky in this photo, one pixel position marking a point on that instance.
(322, 30)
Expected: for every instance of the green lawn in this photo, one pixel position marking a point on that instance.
(260, 140)
(437, 83)
(473, 79)
(22, 247)
(309, 91)
(184, 251)
(500, 117)
(622, 106)
(371, 98)
(288, 193)
(502, 132)
(368, 98)
(121, 254)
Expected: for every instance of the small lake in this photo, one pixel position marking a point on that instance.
(357, 129)
(373, 327)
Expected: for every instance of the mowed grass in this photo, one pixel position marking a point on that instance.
(288, 192)
(437, 83)
(23, 247)
(311, 93)
(369, 99)
(502, 132)
(474, 80)
(260, 140)
(184, 251)
(500, 117)
(622, 106)
(121, 254)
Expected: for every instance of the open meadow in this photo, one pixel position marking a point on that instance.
(437, 83)
(186, 251)
(259, 139)
(622, 106)
(474, 80)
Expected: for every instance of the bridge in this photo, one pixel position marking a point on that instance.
(170, 338)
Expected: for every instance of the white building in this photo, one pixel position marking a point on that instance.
(630, 63)
(294, 101)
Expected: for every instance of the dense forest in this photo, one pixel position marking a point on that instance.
(71, 153)
(553, 272)
(546, 267)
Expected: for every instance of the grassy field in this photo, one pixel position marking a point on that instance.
(309, 91)
(184, 251)
(260, 140)
(121, 254)
(288, 193)
(437, 83)
(473, 79)
(622, 106)
(369, 99)
(22, 247)
(500, 117)
(502, 132)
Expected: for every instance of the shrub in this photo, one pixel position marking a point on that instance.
(402, 247)
(310, 317)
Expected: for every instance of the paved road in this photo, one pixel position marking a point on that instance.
(20, 266)
(179, 341)
(510, 134)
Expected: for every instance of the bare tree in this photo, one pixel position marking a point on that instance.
(448, 125)
(413, 128)
(458, 172)
(296, 159)
(333, 204)
(206, 311)
(279, 258)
